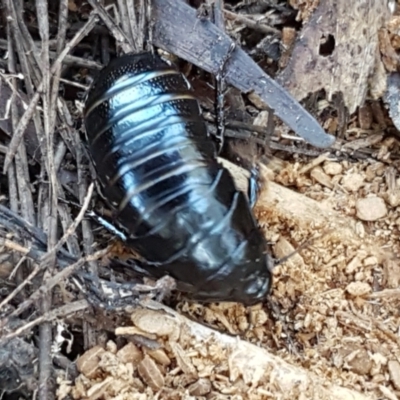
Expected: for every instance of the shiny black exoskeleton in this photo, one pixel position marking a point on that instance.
(157, 168)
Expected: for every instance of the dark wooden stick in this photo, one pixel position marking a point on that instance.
(203, 44)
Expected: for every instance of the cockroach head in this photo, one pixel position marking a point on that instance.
(256, 287)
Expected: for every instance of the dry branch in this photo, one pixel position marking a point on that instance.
(203, 44)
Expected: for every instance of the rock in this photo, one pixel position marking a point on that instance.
(333, 168)
(352, 182)
(371, 208)
(354, 358)
(357, 289)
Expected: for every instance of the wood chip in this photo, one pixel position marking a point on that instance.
(183, 360)
(283, 247)
(88, 363)
(200, 388)
(160, 356)
(151, 322)
(321, 177)
(355, 358)
(394, 373)
(150, 373)
(130, 353)
(365, 117)
(388, 393)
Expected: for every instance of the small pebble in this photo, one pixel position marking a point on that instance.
(353, 265)
(333, 168)
(371, 208)
(357, 289)
(369, 261)
(394, 373)
(200, 388)
(393, 198)
(352, 182)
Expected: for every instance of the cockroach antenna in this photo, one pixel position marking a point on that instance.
(305, 244)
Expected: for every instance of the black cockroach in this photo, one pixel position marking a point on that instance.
(157, 168)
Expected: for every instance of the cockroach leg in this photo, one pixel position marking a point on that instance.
(90, 214)
(107, 225)
(254, 185)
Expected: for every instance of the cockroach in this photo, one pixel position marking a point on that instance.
(157, 168)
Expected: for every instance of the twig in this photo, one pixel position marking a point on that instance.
(71, 230)
(203, 44)
(87, 234)
(126, 23)
(252, 24)
(18, 39)
(12, 176)
(45, 331)
(68, 60)
(54, 280)
(60, 312)
(118, 34)
(25, 46)
(18, 289)
(365, 324)
(21, 162)
(386, 294)
(19, 132)
(21, 226)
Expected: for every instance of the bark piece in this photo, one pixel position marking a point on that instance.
(338, 50)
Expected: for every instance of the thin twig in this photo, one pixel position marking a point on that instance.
(60, 312)
(118, 34)
(87, 235)
(54, 280)
(18, 38)
(71, 230)
(45, 329)
(68, 60)
(252, 24)
(18, 289)
(125, 23)
(19, 132)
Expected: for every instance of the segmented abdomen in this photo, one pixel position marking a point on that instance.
(157, 167)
